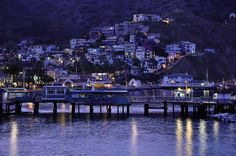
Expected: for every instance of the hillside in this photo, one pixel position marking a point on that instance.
(199, 21)
(60, 20)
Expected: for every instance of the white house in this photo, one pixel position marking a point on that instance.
(232, 15)
(95, 51)
(135, 83)
(140, 53)
(108, 31)
(73, 80)
(51, 47)
(117, 48)
(149, 67)
(129, 50)
(188, 47)
(132, 38)
(125, 28)
(177, 79)
(161, 62)
(154, 37)
(173, 50)
(218, 96)
(146, 17)
(77, 42)
(38, 49)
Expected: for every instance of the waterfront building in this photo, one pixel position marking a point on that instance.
(177, 79)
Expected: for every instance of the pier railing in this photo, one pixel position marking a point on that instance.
(168, 99)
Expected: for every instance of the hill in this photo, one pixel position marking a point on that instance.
(60, 20)
(199, 21)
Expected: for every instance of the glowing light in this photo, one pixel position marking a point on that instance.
(202, 137)
(134, 135)
(189, 135)
(14, 138)
(179, 136)
(216, 130)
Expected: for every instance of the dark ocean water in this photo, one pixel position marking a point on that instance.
(116, 135)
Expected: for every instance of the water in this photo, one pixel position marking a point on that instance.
(99, 135)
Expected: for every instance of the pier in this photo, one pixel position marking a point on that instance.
(112, 99)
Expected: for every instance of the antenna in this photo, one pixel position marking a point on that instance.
(24, 78)
(207, 75)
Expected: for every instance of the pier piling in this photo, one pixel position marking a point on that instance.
(78, 109)
(186, 110)
(146, 109)
(165, 108)
(73, 109)
(36, 108)
(182, 110)
(54, 108)
(18, 108)
(100, 108)
(117, 111)
(173, 109)
(127, 110)
(123, 110)
(91, 109)
(1, 109)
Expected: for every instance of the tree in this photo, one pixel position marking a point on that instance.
(12, 68)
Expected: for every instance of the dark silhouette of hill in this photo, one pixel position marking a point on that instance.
(199, 21)
(62, 19)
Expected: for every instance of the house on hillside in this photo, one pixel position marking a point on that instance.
(77, 42)
(188, 47)
(146, 17)
(161, 62)
(125, 28)
(129, 50)
(135, 83)
(140, 53)
(108, 31)
(173, 51)
(232, 15)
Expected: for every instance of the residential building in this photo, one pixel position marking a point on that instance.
(146, 17)
(120, 47)
(130, 50)
(188, 47)
(149, 67)
(154, 37)
(140, 53)
(135, 83)
(125, 28)
(77, 42)
(209, 50)
(173, 50)
(232, 15)
(132, 38)
(177, 79)
(108, 31)
(161, 62)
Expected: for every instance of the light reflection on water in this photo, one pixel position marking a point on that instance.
(216, 130)
(103, 135)
(202, 137)
(13, 139)
(179, 136)
(189, 139)
(134, 136)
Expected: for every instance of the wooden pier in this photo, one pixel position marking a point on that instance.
(119, 100)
